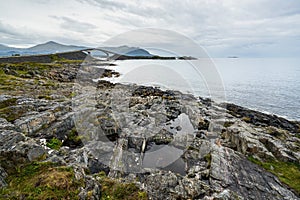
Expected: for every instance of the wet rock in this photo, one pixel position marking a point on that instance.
(96, 166)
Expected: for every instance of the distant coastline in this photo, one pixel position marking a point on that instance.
(80, 55)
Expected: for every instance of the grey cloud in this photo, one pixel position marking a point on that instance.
(74, 25)
(220, 26)
(8, 29)
(137, 8)
(12, 35)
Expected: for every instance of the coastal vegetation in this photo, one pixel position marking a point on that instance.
(54, 143)
(42, 180)
(113, 189)
(287, 172)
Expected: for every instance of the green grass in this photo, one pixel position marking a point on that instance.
(42, 181)
(54, 143)
(287, 172)
(73, 139)
(115, 190)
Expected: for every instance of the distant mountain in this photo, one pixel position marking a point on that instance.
(54, 47)
(45, 48)
(6, 48)
(128, 51)
(124, 52)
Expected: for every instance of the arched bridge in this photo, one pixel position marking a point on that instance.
(109, 54)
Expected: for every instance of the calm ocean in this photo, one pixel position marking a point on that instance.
(269, 85)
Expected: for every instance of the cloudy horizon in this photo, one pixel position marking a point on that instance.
(251, 28)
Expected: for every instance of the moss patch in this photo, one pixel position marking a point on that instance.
(115, 190)
(54, 143)
(42, 181)
(73, 140)
(287, 172)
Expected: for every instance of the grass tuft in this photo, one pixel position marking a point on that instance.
(287, 172)
(54, 143)
(115, 190)
(42, 181)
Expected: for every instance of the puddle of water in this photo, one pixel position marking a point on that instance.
(162, 156)
(181, 125)
(177, 167)
(168, 157)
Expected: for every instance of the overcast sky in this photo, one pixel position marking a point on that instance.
(246, 28)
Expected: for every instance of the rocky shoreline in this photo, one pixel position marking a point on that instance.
(96, 138)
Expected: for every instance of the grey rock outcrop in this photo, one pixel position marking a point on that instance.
(172, 145)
